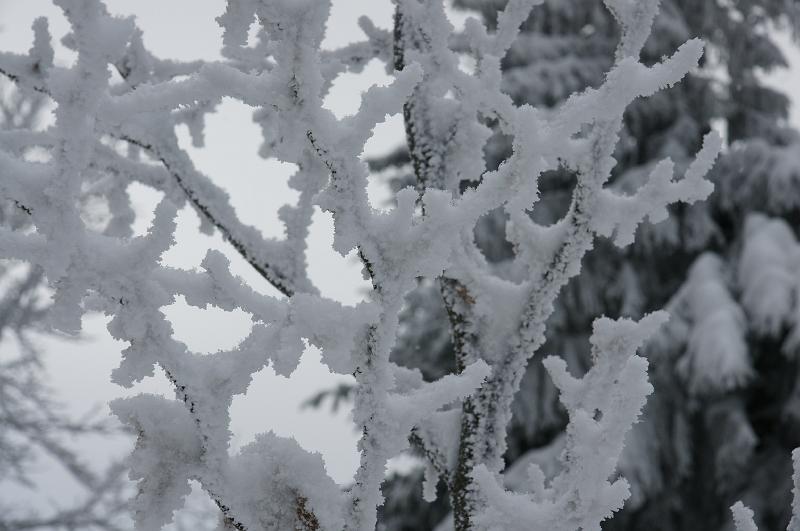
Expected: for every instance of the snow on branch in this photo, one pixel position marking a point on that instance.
(602, 407)
(708, 324)
(794, 523)
(743, 517)
(285, 75)
(767, 277)
(620, 215)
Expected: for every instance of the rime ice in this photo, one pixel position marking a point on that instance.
(273, 483)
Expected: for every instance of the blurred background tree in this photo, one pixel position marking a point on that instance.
(726, 411)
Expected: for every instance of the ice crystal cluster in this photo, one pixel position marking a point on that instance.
(108, 134)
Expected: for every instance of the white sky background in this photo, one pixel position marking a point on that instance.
(80, 370)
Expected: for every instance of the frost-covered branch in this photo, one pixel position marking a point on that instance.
(33, 424)
(602, 407)
(552, 254)
(497, 323)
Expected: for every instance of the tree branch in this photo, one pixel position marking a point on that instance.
(231, 229)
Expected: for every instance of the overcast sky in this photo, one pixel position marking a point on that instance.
(185, 29)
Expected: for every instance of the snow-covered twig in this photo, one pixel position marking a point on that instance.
(498, 324)
(602, 407)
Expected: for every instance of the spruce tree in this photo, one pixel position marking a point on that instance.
(726, 411)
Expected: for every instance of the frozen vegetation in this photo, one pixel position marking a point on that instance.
(109, 134)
